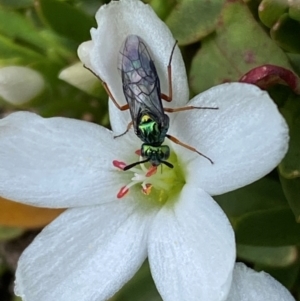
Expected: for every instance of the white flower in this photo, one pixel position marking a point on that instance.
(248, 285)
(97, 245)
(20, 84)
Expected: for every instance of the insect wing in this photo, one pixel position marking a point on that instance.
(141, 84)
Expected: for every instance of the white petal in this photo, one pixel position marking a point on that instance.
(20, 84)
(118, 119)
(192, 249)
(58, 162)
(246, 137)
(86, 254)
(248, 285)
(134, 17)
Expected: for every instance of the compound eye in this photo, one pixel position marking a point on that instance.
(165, 152)
(146, 151)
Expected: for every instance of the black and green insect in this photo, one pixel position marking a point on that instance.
(141, 87)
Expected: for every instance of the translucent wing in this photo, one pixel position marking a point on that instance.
(141, 84)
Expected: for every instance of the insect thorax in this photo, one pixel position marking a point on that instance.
(150, 131)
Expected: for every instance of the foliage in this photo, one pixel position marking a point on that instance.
(221, 41)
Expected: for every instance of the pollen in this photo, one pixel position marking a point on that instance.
(147, 189)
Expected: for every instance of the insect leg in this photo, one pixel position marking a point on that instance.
(172, 110)
(175, 140)
(165, 97)
(128, 128)
(121, 108)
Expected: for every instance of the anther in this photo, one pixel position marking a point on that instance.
(123, 191)
(151, 171)
(138, 152)
(147, 188)
(119, 164)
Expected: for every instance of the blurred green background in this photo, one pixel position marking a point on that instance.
(221, 41)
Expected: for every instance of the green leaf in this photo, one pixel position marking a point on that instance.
(269, 11)
(19, 54)
(294, 11)
(141, 287)
(279, 94)
(21, 32)
(2, 268)
(66, 20)
(73, 103)
(286, 276)
(270, 256)
(291, 188)
(162, 9)
(13, 54)
(229, 53)
(286, 33)
(61, 49)
(295, 61)
(16, 3)
(7, 233)
(273, 227)
(17, 27)
(253, 6)
(191, 20)
(263, 194)
(290, 165)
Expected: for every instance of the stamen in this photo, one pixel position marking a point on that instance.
(151, 171)
(123, 191)
(147, 177)
(119, 164)
(147, 188)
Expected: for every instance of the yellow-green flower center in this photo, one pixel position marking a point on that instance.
(156, 183)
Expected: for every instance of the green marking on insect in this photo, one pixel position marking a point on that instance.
(141, 87)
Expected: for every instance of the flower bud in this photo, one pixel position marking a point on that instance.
(20, 84)
(81, 78)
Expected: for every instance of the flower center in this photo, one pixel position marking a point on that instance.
(160, 181)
